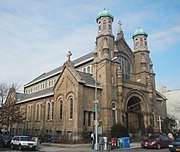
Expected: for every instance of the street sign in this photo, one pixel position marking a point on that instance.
(98, 107)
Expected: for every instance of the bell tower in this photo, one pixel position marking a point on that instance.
(141, 50)
(104, 38)
(144, 66)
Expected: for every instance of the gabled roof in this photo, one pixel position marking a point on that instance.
(160, 96)
(87, 77)
(19, 96)
(81, 77)
(57, 71)
(36, 95)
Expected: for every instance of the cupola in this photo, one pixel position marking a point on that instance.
(140, 39)
(139, 31)
(104, 13)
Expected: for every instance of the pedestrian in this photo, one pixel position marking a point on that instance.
(170, 135)
(101, 143)
(92, 140)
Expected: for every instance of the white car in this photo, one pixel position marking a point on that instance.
(23, 142)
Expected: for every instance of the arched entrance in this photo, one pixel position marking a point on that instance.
(134, 115)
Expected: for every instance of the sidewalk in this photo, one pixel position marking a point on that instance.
(76, 146)
(135, 145)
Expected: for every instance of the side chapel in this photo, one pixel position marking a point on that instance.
(61, 101)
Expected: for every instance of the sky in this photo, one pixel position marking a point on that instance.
(36, 35)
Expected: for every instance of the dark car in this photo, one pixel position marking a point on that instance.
(5, 140)
(175, 145)
(156, 141)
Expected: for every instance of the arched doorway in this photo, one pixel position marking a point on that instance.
(134, 115)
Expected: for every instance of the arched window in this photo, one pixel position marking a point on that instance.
(112, 79)
(84, 70)
(48, 111)
(113, 106)
(110, 26)
(145, 42)
(40, 112)
(61, 109)
(99, 26)
(29, 113)
(88, 69)
(71, 109)
(125, 67)
(136, 43)
(89, 118)
(104, 25)
(37, 113)
(52, 115)
(141, 41)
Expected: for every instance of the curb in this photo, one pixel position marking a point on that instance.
(67, 145)
(132, 145)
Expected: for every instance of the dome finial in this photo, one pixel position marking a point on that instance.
(104, 13)
(140, 31)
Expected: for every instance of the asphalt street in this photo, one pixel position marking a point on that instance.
(58, 149)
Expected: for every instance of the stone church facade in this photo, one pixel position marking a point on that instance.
(121, 80)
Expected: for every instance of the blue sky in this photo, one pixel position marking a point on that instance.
(36, 35)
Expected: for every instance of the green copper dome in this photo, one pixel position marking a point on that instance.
(104, 13)
(139, 31)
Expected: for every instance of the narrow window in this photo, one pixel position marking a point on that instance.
(141, 41)
(145, 42)
(110, 26)
(88, 69)
(37, 113)
(52, 116)
(61, 109)
(84, 118)
(104, 25)
(48, 111)
(40, 112)
(136, 43)
(112, 79)
(89, 118)
(71, 108)
(99, 26)
(29, 112)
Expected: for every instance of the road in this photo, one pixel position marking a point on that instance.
(58, 149)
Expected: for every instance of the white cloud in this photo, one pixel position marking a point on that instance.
(161, 40)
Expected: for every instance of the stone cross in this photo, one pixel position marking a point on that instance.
(159, 120)
(120, 24)
(69, 55)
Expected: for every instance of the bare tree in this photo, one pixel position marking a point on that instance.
(10, 113)
(4, 88)
(3, 92)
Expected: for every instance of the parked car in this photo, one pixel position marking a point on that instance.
(23, 142)
(156, 141)
(5, 140)
(175, 145)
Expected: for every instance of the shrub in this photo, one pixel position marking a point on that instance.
(119, 131)
(150, 129)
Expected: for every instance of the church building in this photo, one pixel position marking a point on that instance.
(113, 80)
